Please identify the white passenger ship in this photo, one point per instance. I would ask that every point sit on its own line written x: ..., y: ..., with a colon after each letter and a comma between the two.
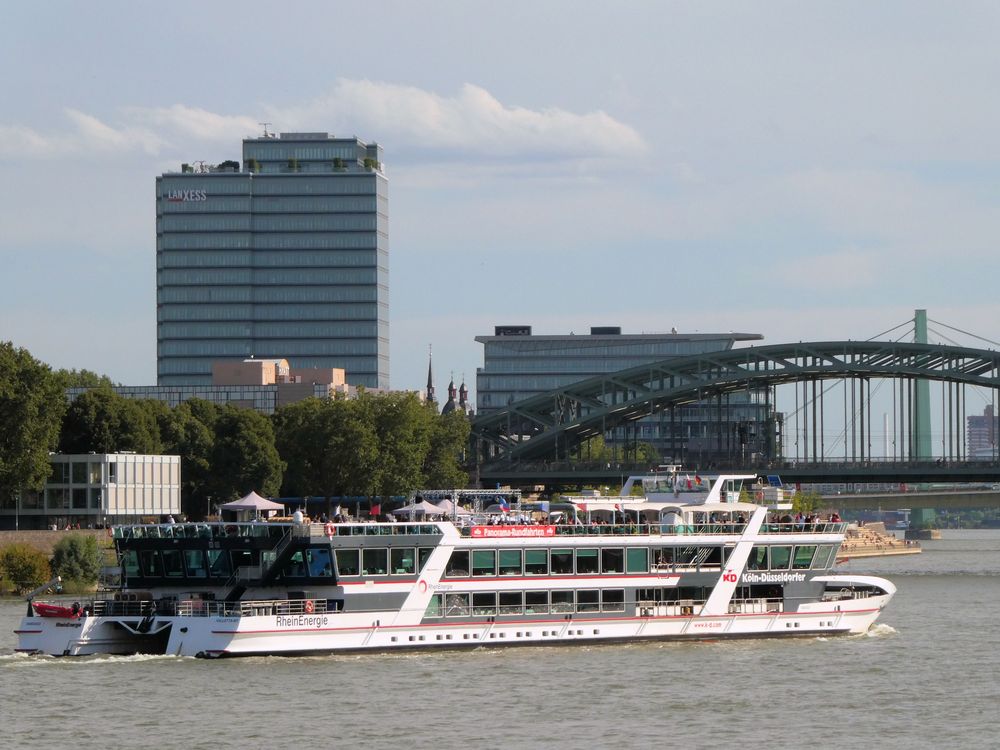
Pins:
x: 680, y: 563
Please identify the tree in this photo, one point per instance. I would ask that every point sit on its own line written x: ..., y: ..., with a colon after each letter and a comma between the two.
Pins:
x: 244, y: 457
x: 402, y: 428
x: 32, y: 404
x: 82, y: 379
x: 329, y: 446
x: 104, y: 422
x: 184, y: 434
x: 77, y: 557
x: 24, y: 567
x: 806, y: 502
x: 448, y: 439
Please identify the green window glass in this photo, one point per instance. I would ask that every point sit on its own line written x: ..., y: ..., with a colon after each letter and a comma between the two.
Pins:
x: 433, y: 606
x: 780, y: 557
x: 194, y: 562
x: 458, y: 563
x: 562, y: 562
x: 348, y: 562
x: 588, y: 601
x: 130, y: 560
x: 295, y: 567
x: 636, y: 560
x: 586, y: 561
x: 510, y: 602
x: 536, y: 602
x: 218, y: 564
x: 173, y: 565
x: 484, y: 562
x: 424, y: 556
x: 375, y: 562
x: 803, y: 556
x: 613, y: 600
x: 757, y: 559
x: 510, y: 562
x: 403, y: 562
x: 613, y: 560
x: 536, y: 562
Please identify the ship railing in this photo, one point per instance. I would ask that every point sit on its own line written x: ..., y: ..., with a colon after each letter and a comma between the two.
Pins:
x: 678, y: 608
x: 254, y: 607
x: 755, y: 606
x: 641, y: 529
x: 263, y: 530
x: 839, y: 595
x: 822, y: 527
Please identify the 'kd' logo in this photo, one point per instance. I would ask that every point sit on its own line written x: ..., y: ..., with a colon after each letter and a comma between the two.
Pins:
x: 729, y: 577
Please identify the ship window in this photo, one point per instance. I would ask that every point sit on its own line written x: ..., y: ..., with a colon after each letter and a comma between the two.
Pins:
x: 636, y: 560
x: 484, y: 603
x: 318, y: 561
x: 151, y: 566
x: 613, y: 600
x: 484, y: 562
x: 780, y: 557
x: 536, y: 602
x: 757, y: 559
x: 510, y: 602
x: 586, y: 561
x: 375, y: 562
x: 130, y: 561
x: 510, y: 562
x: 824, y: 557
x: 348, y: 562
x: 218, y: 564
x: 458, y: 563
x: 587, y: 601
x: 433, y: 606
x: 562, y: 562
x: 194, y: 561
x: 402, y: 561
x: 664, y: 558
x: 173, y: 567
x: 456, y: 605
x: 424, y: 554
x: 562, y: 601
x: 295, y: 567
x: 536, y: 562
x: 613, y: 560
x: 803, y: 556
x: 242, y: 558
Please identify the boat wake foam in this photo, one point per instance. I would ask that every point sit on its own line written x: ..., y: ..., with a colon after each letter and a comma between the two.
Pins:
x: 879, y: 630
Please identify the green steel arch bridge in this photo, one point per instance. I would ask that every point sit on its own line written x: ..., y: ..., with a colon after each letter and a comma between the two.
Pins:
x: 536, y: 438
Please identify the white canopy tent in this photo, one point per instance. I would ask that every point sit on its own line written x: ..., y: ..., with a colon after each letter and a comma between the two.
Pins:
x: 252, y: 505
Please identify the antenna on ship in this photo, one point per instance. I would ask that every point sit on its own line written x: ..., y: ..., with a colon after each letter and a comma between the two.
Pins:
x: 264, y: 125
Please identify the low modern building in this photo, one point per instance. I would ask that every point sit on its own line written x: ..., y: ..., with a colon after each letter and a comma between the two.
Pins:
x: 95, y: 490
x: 259, y: 384
x: 518, y: 364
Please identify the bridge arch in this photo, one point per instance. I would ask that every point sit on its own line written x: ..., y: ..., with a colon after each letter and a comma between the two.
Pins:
x: 550, y: 424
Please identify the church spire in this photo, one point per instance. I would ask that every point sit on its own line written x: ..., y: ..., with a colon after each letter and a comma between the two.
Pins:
x: 430, y: 376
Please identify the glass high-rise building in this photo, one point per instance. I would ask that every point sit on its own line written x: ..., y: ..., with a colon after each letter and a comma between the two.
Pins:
x: 285, y: 256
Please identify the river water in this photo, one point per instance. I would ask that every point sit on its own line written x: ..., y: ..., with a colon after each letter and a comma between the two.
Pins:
x: 927, y: 675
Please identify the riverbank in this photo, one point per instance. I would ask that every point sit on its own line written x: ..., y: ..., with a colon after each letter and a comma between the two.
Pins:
x: 45, y: 540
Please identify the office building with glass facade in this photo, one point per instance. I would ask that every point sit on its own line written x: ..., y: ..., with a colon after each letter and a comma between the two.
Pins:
x: 285, y: 256
x: 518, y: 365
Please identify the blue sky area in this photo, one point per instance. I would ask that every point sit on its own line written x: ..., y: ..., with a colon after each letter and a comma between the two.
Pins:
x: 801, y: 170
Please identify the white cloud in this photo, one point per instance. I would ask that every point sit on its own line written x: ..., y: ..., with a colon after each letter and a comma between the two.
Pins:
x: 473, y: 120
x: 471, y: 123
x: 87, y: 136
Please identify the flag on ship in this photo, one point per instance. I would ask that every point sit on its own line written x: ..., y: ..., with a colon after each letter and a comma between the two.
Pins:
x: 504, y: 505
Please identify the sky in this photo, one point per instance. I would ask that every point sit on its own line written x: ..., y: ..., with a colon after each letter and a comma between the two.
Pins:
x: 806, y: 171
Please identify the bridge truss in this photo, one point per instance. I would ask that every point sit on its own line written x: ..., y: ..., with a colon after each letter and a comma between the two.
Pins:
x: 549, y: 426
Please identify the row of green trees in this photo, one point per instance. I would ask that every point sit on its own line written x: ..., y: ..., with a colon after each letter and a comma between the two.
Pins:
x: 76, y: 558
x: 373, y: 445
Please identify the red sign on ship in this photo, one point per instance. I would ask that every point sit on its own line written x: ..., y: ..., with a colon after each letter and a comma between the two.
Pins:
x: 487, y: 532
